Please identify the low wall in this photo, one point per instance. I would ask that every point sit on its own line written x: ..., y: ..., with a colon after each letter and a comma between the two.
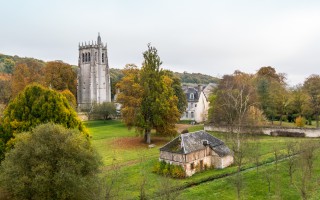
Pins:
x: 309, y: 132
x: 82, y: 116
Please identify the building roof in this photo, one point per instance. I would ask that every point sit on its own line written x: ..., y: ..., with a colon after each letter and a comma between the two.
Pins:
x: 208, y: 89
x: 188, y: 90
x: 195, y: 141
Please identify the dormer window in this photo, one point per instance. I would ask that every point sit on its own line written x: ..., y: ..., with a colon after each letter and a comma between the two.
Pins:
x: 191, y: 96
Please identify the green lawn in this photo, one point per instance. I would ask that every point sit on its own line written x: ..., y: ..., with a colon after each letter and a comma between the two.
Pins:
x: 117, y: 144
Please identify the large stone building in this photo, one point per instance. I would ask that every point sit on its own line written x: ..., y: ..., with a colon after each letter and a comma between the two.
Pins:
x: 93, y: 75
x: 196, y: 151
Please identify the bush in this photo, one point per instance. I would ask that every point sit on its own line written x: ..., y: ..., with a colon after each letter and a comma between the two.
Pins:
x: 300, y: 121
x: 51, y: 162
x: 167, y: 169
x: 177, y: 171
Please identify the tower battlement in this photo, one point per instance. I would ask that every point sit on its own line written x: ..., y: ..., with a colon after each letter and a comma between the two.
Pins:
x: 93, y: 74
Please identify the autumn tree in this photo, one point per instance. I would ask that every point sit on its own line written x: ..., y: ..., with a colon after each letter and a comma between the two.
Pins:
x: 26, y: 72
x: 312, y: 87
x: 269, y: 83
x: 235, y: 95
x: 299, y: 103
x: 60, y: 76
x: 150, y: 99
x: 19, y: 78
x: 131, y: 94
x: 280, y: 99
x: 51, y: 162
x: 5, y: 88
x: 37, y: 105
x: 8, y: 65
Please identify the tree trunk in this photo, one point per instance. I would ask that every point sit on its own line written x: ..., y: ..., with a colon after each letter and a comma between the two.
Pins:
x: 147, y: 136
x: 317, y: 118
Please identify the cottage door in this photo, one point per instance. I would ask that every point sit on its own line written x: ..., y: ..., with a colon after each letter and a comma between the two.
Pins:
x: 201, y: 165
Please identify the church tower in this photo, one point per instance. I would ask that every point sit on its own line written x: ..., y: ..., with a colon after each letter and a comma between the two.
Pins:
x: 93, y: 75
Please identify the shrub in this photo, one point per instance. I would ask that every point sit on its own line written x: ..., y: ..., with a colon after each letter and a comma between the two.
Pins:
x: 177, y: 171
x: 300, y: 121
x: 167, y: 169
x: 156, y: 168
x: 51, y: 162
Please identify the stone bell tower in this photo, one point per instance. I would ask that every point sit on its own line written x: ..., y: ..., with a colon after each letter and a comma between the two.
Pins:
x: 93, y: 75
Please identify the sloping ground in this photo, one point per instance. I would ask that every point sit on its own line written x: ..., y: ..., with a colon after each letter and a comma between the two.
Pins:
x: 119, y: 146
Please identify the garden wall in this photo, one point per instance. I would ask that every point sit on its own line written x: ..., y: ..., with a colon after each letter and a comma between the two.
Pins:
x: 309, y: 132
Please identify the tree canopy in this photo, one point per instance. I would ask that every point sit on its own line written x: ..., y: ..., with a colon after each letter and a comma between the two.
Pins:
x: 60, y: 76
x: 147, y: 98
x: 37, y: 105
x: 51, y: 162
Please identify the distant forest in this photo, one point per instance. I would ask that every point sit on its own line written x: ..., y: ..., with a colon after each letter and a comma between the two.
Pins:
x: 8, y: 64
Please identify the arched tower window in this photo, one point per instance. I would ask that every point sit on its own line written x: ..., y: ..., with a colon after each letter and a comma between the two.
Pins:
x: 86, y: 57
x: 82, y: 57
x: 95, y: 56
x: 103, y: 57
x: 89, y: 57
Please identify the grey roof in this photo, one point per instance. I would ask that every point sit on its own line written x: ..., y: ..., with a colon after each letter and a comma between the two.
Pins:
x: 190, y: 90
x: 190, y: 142
x: 208, y: 89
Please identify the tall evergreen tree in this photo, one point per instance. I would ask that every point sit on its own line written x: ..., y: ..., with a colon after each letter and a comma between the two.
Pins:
x: 153, y: 103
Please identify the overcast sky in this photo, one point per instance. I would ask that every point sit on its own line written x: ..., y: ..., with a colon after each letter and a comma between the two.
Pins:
x: 206, y: 36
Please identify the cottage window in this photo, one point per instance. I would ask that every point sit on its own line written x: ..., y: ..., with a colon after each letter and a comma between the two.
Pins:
x: 195, y: 105
x: 192, y: 166
x: 191, y: 105
x: 191, y: 96
x: 186, y: 114
x: 192, y: 115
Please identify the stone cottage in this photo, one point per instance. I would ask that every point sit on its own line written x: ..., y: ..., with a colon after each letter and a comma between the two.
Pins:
x: 196, y: 151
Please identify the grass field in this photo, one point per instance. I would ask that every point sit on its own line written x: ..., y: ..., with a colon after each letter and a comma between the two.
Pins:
x: 135, y: 161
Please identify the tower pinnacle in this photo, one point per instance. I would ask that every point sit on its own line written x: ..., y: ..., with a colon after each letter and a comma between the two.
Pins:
x: 99, y: 38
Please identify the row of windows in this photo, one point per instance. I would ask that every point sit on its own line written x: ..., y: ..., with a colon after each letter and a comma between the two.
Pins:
x: 86, y: 57
x: 191, y: 105
x: 187, y: 115
x: 192, y: 166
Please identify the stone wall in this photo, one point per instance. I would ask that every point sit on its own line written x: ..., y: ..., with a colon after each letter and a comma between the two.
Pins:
x: 82, y: 116
x: 309, y: 132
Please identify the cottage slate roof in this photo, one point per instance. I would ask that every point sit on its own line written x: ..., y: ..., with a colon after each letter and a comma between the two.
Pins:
x: 190, y: 142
